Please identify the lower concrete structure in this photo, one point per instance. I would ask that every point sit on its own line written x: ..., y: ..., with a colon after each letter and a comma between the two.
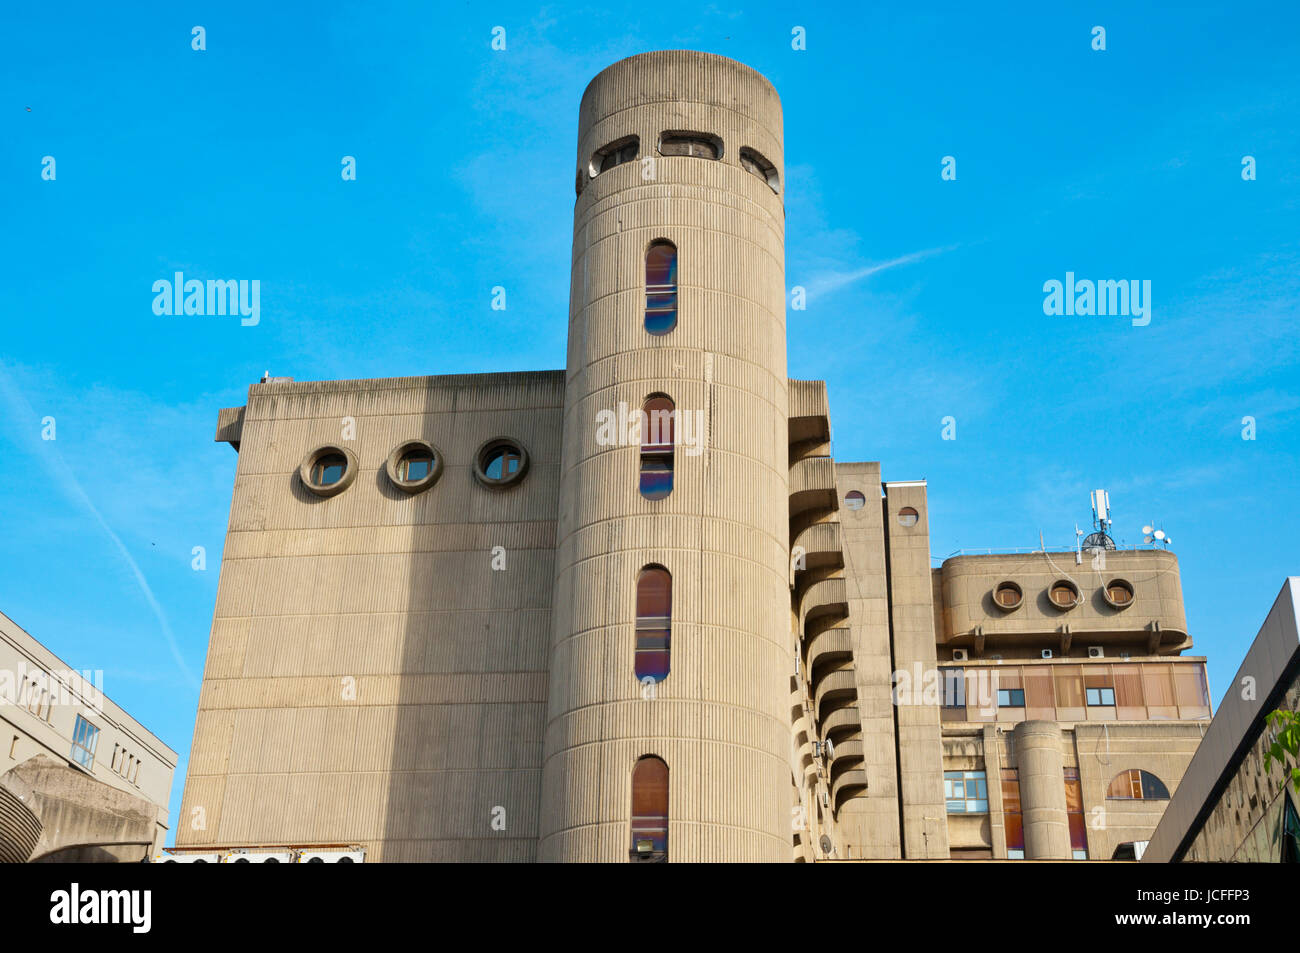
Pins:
x: 80, y: 779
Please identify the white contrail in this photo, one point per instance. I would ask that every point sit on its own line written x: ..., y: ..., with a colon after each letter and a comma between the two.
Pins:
x: 54, y: 462
x: 824, y: 284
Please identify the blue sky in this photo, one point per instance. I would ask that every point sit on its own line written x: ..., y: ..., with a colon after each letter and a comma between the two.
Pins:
x: 225, y: 163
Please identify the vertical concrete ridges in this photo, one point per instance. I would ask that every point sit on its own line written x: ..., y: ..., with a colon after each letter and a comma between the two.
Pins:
x: 1042, y: 790
x: 719, y: 720
x: 911, y: 611
x: 371, y: 678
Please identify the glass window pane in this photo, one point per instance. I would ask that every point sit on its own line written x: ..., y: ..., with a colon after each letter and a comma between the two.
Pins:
x: 1152, y: 786
x: 1069, y: 687
x: 656, y: 477
x: 1040, y: 697
x: 650, y: 807
x: 653, y: 623
x: 1158, y: 686
x: 661, y: 287
x: 657, y: 417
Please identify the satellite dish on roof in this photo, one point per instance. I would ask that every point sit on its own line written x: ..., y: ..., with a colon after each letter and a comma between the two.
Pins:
x: 1147, y: 530
x: 825, y: 843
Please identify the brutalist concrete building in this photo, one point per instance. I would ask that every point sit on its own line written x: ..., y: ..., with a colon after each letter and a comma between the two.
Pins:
x: 633, y: 609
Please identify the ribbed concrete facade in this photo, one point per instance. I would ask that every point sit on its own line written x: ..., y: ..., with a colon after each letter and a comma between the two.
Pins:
x: 449, y: 667
x: 367, y: 661
x: 718, y: 719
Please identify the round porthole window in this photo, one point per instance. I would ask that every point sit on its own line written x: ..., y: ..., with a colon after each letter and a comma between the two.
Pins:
x: 1063, y: 594
x: 855, y: 500
x: 908, y: 516
x: 1007, y: 596
x: 1119, y: 593
x: 328, y: 470
x: 500, y: 462
x: 414, y: 466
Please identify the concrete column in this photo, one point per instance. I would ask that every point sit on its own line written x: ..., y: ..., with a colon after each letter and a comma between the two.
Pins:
x: 720, y: 720
x: 911, y: 613
x: 1042, y: 790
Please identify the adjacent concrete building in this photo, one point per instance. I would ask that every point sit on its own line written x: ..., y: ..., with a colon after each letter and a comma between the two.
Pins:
x: 633, y: 608
x: 80, y: 779
x: 1229, y: 807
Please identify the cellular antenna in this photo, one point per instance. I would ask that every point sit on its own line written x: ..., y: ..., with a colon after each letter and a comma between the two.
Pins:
x: 1152, y: 535
x: 1101, y: 521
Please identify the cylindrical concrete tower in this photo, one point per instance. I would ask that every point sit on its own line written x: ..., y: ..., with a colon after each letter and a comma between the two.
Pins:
x: 1042, y: 790
x: 678, y: 292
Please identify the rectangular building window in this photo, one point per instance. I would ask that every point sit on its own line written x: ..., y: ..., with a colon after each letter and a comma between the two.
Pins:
x: 1158, y: 686
x: 1069, y: 692
x: 85, y: 737
x: 1011, y: 698
x: 1130, y: 705
x: 1101, y: 696
x: 1191, y: 692
x: 1012, y: 821
x: 1074, y: 815
x: 1040, y: 698
x: 954, y: 687
x: 966, y: 792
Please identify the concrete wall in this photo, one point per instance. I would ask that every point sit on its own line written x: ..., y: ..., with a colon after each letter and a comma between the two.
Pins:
x: 371, y: 679
x: 968, y: 583
x: 911, y: 610
x: 870, y: 822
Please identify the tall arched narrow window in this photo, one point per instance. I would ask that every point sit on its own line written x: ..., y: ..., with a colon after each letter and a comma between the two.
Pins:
x: 650, y: 810
x: 661, y: 287
x: 654, y: 617
x: 657, y: 441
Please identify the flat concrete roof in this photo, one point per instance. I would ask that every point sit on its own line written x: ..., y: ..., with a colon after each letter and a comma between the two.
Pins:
x: 1234, y: 729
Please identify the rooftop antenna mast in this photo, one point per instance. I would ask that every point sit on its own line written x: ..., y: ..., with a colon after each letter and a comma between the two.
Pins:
x: 1152, y: 535
x: 1099, y: 538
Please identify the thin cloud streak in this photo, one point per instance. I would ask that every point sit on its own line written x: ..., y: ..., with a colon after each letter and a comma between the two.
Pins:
x: 21, y: 410
x: 829, y: 282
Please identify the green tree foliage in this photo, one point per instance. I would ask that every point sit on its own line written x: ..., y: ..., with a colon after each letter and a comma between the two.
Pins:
x: 1285, y: 749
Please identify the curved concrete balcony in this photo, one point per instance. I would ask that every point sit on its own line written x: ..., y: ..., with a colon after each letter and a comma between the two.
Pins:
x: 824, y: 604
x: 822, y: 549
x: 838, y: 685
x: 812, y: 487
x: 809, y: 416
x: 796, y: 708
x: 826, y: 647
x: 841, y: 721
x: 846, y: 752
x: 849, y: 783
x: 810, y: 774
x: 806, y: 755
